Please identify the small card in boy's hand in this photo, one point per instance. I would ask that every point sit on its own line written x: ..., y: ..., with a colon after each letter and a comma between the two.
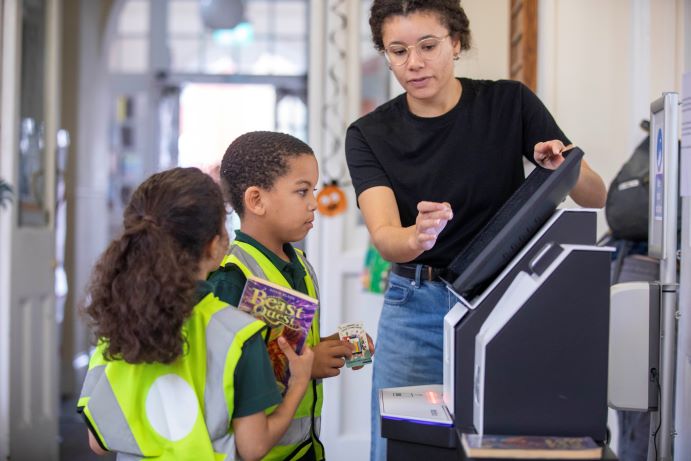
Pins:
x: 355, y: 334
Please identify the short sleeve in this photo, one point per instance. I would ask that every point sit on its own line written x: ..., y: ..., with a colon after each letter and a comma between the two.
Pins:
x: 255, y: 384
x: 228, y: 283
x: 365, y: 170
x: 538, y: 123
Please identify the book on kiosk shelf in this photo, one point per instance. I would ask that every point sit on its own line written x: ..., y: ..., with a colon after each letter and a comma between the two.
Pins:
x: 287, y: 312
x: 530, y: 447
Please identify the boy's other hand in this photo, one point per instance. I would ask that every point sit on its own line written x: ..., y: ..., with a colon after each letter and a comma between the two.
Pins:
x: 329, y: 357
x: 370, y: 343
x: 300, y: 365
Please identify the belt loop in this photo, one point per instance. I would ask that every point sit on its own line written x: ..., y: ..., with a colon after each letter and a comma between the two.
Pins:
x: 418, y: 271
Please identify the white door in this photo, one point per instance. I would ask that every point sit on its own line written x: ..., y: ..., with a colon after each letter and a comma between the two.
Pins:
x: 28, y: 340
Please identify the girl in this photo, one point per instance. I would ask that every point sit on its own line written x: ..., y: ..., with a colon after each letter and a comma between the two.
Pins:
x: 177, y: 373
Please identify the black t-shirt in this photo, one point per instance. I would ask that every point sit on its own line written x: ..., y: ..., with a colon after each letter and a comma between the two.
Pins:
x: 470, y: 157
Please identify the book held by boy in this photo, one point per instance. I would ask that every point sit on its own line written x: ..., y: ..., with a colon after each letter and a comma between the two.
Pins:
x: 287, y: 312
x: 530, y: 447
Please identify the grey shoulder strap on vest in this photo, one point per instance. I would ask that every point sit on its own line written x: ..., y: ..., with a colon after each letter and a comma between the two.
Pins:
x: 247, y: 260
x: 310, y: 270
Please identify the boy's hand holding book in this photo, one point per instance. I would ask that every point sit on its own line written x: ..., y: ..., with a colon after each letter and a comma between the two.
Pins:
x: 257, y: 433
x: 287, y: 312
x: 300, y: 365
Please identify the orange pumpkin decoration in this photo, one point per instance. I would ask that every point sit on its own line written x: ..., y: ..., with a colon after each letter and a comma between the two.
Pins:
x: 331, y: 200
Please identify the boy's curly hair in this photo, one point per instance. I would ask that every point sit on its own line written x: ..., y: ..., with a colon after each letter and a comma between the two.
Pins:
x: 449, y: 12
x: 257, y: 158
x: 142, y: 289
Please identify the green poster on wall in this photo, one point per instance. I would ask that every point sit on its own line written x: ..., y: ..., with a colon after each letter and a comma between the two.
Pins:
x: 376, y: 272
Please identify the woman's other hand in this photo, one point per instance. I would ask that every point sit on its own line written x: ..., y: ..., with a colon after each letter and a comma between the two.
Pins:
x: 432, y: 218
x: 549, y: 154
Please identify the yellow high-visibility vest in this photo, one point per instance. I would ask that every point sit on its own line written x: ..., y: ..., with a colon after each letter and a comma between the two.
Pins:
x: 177, y: 411
x: 303, y: 432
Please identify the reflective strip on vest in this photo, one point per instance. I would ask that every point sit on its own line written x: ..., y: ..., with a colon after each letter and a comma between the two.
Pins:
x: 225, y: 332
x: 241, y: 254
x: 310, y: 271
x: 218, y: 346
x: 92, y: 378
x: 225, y: 445
x: 299, y: 430
x: 246, y: 261
x: 104, y: 410
x: 127, y: 457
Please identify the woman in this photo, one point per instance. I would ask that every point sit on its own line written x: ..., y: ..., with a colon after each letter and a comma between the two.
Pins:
x: 430, y: 168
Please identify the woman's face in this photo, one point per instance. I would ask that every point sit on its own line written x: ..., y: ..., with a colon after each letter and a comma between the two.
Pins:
x: 423, y: 79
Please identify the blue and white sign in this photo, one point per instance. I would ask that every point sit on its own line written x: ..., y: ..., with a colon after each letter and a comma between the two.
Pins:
x: 658, y: 208
x: 664, y: 190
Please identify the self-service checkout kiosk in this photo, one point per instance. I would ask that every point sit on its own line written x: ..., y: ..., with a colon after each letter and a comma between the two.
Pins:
x: 643, y: 328
x: 525, y: 347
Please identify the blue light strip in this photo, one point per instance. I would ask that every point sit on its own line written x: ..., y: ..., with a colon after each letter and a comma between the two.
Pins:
x: 417, y: 421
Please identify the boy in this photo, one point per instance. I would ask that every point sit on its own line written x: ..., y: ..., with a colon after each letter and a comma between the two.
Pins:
x: 269, y: 179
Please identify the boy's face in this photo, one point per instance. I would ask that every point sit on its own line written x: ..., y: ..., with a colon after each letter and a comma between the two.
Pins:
x: 291, y: 202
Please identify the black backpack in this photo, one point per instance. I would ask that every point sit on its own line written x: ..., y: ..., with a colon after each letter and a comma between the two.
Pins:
x: 626, y: 209
x: 627, y: 198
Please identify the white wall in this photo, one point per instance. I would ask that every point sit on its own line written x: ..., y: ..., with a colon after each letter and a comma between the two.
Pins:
x: 600, y: 64
x: 583, y: 78
x: 489, y: 27
x: 89, y: 193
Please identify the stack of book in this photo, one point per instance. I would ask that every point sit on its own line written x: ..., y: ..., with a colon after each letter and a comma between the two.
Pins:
x: 530, y: 447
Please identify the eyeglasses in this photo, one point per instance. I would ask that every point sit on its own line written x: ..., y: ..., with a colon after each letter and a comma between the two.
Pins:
x: 427, y: 48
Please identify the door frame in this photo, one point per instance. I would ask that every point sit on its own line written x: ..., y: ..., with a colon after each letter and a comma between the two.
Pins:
x: 9, y: 81
x: 13, y: 238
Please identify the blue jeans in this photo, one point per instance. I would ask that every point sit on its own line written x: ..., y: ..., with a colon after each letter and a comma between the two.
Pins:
x: 634, y: 434
x: 409, y: 342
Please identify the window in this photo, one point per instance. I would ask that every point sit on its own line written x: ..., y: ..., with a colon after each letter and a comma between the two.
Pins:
x: 375, y: 74
x: 129, y: 51
x: 271, y: 41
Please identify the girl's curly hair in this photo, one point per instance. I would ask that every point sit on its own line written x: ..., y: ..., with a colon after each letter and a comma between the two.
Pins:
x: 142, y: 288
x: 450, y: 13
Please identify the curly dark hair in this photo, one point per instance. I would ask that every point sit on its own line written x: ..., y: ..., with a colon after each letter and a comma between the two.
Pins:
x: 450, y: 13
x: 142, y: 289
x: 257, y: 158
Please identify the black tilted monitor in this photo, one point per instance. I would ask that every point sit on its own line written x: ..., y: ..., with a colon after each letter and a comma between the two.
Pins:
x: 513, y: 225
